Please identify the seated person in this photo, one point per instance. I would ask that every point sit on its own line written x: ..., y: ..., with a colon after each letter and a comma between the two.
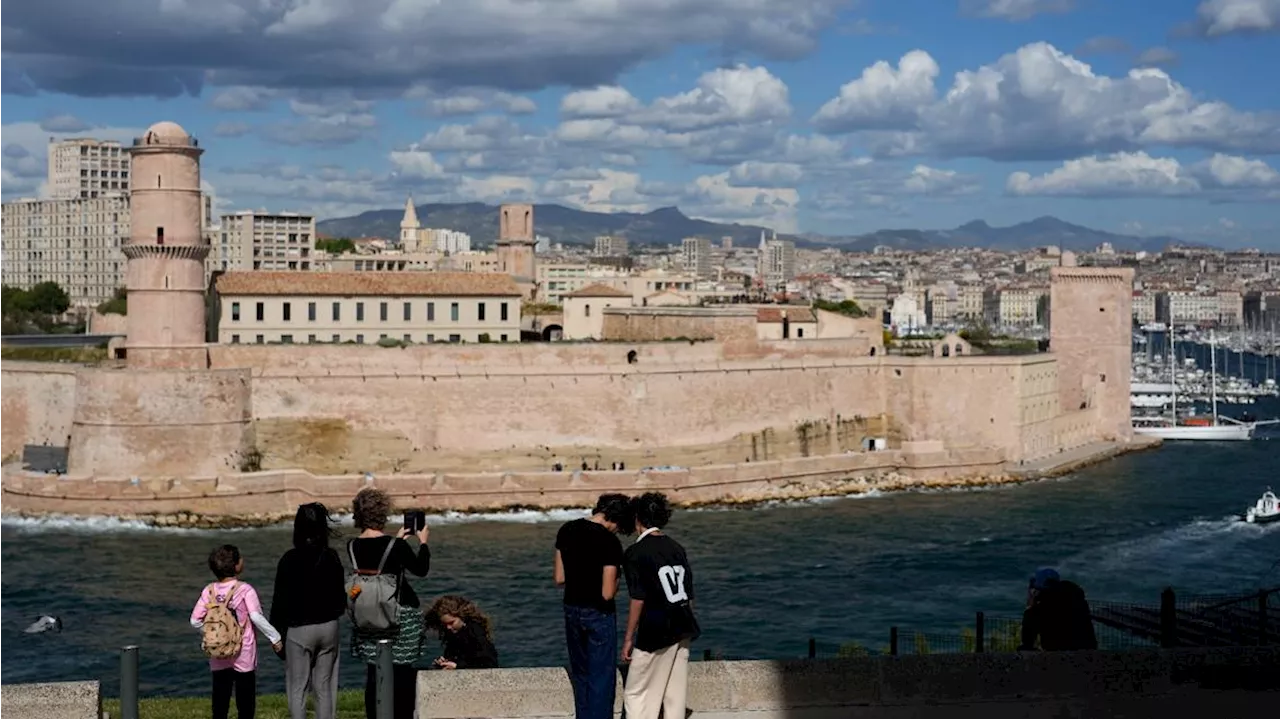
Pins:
x: 465, y: 633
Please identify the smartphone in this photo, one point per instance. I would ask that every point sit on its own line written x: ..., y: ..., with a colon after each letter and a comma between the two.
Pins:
x: 415, y: 520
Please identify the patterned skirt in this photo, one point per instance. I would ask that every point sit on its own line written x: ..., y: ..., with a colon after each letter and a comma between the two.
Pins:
x: 406, y: 640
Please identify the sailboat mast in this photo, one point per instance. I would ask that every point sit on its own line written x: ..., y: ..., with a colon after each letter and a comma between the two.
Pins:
x: 1213, y: 376
x: 1173, y: 372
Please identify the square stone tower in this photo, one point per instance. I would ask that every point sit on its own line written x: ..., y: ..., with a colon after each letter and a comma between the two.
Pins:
x: 1091, y: 334
x: 516, y: 242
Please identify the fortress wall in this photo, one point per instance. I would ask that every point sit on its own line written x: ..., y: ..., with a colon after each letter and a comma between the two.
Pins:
x: 160, y: 422
x: 642, y: 324
x: 274, y: 494
x: 39, y: 400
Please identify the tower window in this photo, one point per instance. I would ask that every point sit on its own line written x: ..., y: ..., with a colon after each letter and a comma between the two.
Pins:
x: 159, y: 235
x: 157, y: 180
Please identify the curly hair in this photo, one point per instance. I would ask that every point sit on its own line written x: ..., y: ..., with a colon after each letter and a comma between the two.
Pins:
x: 460, y: 607
x: 370, y: 509
x: 652, y: 510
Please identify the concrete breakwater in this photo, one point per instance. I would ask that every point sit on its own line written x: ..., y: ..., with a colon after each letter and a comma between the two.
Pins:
x: 269, y: 497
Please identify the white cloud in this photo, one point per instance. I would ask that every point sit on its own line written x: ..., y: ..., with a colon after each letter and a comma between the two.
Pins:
x: 712, y: 197
x: 25, y: 151
x: 474, y: 100
x: 1040, y: 103
x: 602, y: 101
x: 1157, y: 57
x: 765, y: 174
x: 925, y: 180
x: 1015, y: 10
x: 1225, y: 17
x: 882, y: 97
x: 1223, y: 177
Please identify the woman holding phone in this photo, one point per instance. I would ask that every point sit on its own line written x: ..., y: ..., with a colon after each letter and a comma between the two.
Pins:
x: 371, y: 509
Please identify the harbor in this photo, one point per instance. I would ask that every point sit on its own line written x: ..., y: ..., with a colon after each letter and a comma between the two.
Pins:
x: 1187, y: 387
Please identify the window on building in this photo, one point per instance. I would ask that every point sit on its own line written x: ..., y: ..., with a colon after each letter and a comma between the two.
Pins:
x: 430, y: 338
x: 408, y: 312
x: 408, y: 338
x: 311, y: 339
x: 799, y: 332
x: 336, y: 339
x: 359, y: 312
x: 235, y: 339
x: 502, y: 338
x: 382, y: 337
x: 359, y: 339
x: 337, y: 311
x: 261, y: 311
x: 235, y: 311
x: 286, y: 339
x: 159, y: 235
x: 455, y: 338
x: 453, y: 311
x: 502, y: 311
x: 286, y: 311
x: 382, y: 311
x: 480, y: 311
x: 260, y: 339
x: 311, y: 312
x: 587, y: 310
x: 431, y: 312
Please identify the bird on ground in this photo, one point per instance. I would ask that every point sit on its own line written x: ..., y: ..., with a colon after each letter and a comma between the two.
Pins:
x: 45, y: 623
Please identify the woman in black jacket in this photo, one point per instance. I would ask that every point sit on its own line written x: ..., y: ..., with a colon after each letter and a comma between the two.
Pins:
x: 309, y: 598
x: 465, y: 633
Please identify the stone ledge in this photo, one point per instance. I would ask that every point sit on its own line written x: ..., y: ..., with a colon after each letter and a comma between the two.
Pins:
x: 65, y: 700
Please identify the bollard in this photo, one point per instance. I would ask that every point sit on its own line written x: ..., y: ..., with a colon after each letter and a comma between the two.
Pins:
x: 129, y: 682
x: 1168, y: 619
x: 1263, y: 640
x: 385, y: 681
x: 979, y: 633
x: 706, y: 655
x: 813, y: 648
x: 893, y: 641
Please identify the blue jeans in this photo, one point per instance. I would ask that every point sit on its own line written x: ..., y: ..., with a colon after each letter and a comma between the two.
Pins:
x: 592, y: 637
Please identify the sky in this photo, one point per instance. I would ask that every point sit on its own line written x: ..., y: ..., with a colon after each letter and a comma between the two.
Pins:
x: 838, y: 117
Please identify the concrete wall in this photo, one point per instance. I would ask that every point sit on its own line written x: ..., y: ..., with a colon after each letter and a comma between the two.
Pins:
x: 64, y: 700
x: 1219, y: 682
x: 276, y: 494
x: 161, y: 422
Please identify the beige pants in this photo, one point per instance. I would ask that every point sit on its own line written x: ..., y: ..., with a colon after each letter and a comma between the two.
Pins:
x: 658, y: 681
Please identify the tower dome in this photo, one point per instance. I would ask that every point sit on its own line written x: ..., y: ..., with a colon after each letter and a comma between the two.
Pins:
x: 165, y: 133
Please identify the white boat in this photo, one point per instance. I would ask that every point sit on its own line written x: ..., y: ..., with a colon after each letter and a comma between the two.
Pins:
x: 1267, y: 509
x: 1216, y: 430
x: 1154, y: 327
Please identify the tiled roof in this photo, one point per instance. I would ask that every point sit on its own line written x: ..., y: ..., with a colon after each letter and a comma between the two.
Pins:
x: 382, y: 284
x: 794, y: 314
x: 598, y: 290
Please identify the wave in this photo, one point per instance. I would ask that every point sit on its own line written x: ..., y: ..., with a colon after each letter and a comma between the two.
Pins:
x: 1197, y: 541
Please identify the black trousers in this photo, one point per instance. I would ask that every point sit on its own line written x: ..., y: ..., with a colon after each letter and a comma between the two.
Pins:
x: 245, y: 686
x: 404, y: 691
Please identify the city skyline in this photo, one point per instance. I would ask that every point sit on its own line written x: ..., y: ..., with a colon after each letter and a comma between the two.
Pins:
x: 803, y: 116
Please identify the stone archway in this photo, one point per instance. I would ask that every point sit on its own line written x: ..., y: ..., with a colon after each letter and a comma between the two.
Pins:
x: 552, y: 333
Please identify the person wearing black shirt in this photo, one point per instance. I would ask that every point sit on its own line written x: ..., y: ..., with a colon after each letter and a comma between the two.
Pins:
x: 660, y: 623
x: 307, y: 602
x: 587, y: 564
x: 370, y: 511
x: 1057, y: 615
x: 465, y: 632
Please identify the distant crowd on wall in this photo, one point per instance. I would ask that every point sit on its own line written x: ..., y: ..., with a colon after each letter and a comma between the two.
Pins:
x: 313, y: 591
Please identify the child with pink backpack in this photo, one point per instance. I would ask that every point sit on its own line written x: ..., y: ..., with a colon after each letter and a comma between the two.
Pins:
x: 226, y: 614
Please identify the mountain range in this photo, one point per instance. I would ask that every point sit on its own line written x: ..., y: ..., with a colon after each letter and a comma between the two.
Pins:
x: 668, y: 225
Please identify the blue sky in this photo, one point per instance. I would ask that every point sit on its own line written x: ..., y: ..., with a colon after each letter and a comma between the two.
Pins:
x: 827, y: 116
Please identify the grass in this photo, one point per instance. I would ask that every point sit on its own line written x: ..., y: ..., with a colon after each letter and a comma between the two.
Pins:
x: 270, y: 706
x: 54, y: 354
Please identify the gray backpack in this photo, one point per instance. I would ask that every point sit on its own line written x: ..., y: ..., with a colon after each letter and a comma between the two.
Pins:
x: 373, y: 600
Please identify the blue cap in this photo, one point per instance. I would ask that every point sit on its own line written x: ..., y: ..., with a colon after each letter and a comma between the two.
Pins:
x: 1043, y: 577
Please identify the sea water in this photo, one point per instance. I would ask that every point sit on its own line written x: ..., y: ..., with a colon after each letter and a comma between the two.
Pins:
x: 767, y: 577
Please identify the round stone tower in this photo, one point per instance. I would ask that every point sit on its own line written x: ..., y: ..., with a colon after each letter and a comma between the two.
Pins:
x: 166, y: 252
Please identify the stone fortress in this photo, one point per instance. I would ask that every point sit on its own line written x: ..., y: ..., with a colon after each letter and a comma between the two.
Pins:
x: 176, y: 425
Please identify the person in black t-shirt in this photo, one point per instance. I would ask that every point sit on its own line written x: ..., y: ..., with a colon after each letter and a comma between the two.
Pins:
x: 588, y: 559
x: 661, y: 623
x: 465, y: 633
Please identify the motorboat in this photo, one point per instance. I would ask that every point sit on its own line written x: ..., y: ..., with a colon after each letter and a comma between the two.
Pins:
x: 1267, y: 509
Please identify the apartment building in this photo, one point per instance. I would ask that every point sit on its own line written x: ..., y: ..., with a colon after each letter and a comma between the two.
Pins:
x: 265, y: 241
x: 75, y: 243
x: 610, y: 246
x: 697, y: 256
x: 1193, y: 307
x: 84, y: 168
x: 555, y: 280
x: 1144, y: 306
x: 777, y: 263
x: 365, y: 307
x: 1014, y: 306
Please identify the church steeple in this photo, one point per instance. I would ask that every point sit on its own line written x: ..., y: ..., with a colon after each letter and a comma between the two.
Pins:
x: 409, y: 227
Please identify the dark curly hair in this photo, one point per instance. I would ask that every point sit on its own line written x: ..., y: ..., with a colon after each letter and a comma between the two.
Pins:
x: 460, y: 607
x: 617, y: 509
x: 652, y: 510
x: 370, y: 509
